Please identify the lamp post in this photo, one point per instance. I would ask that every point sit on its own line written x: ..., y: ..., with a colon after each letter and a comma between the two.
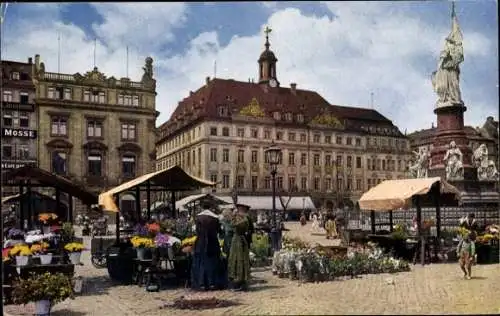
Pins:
x: 273, y: 153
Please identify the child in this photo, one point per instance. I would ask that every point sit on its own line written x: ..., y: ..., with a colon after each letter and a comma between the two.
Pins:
x: 466, y: 252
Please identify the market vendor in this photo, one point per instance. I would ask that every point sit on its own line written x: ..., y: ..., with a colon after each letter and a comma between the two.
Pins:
x: 239, y: 255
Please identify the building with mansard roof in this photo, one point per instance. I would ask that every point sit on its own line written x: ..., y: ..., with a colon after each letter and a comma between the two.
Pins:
x: 330, y: 152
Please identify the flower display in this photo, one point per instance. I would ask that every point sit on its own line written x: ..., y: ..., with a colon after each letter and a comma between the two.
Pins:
x: 20, y: 250
x: 39, y: 248
x: 5, y: 254
x: 46, y: 218
x: 161, y: 240
x: 188, y: 241
x: 15, y: 233
x: 141, y: 230
x: 153, y: 228
x: 142, y: 242
x: 484, y: 239
x: 74, y: 247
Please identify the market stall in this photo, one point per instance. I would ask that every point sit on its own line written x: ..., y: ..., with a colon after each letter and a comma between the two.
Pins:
x: 393, y: 195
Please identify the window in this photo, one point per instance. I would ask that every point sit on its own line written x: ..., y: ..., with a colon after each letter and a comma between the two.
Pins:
x: 338, y: 140
x: 303, y: 159
x: 254, y: 156
x: 359, y: 185
x: 383, y: 164
x: 349, y: 184
x: 358, y: 162
x: 59, y: 126
x: 213, y: 178
x: 291, y: 183
x: 241, y: 156
x: 316, y: 183
x: 225, y: 131
x: 288, y: 116
x: 254, y: 183
x: 225, y: 155
x: 303, y: 183
x: 300, y: 118
x: 267, y: 134
x: 328, y: 139
x: 23, y: 152
x: 358, y: 142
x: 127, y: 100
x: 7, y: 96
x: 277, y: 115
x: 279, y: 183
x: 280, y: 158
x: 240, y: 182
x: 303, y: 138
x: 339, y: 161
x: 222, y: 110
x: 128, y: 131
x: 328, y: 160
x: 291, y: 137
x: 120, y: 99
x: 14, y: 75
x: 369, y: 183
x: 213, y: 131
x: 291, y: 159
x: 7, y: 151
x: 94, y: 165
x: 24, y: 119
x: 267, y: 182
x: 241, y: 132
x: 213, y: 154
x: 86, y: 96
x: 328, y: 184
x: 339, y: 184
x: 279, y: 135
x: 369, y: 164
x: 128, y: 166
x: 94, y: 129
x: 67, y: 94
x: 24, y: 98
x: 59, y: 162
x: 255, y: 133
x: 316, y: 159
x: 316, y: 138
x: 349, y: 161
x: 102, y: 97
x: 7, y: 118
x: 225, y: 181
x: 135, y: 100
x: 349, y: 141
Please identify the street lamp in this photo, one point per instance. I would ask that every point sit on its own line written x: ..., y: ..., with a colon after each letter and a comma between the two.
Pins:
x: 273, y: 153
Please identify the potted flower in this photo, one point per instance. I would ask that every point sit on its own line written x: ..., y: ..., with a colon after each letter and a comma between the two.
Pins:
x: 45, y: 290
x: 141, y: 244
x: 187, y: 244
x: 162, y: 242
x: 21, y: 252
x: 74, y: 250
x: 46, y: 219
x: 153, y: 229
x: 15, y: 234
x: 40, y: 249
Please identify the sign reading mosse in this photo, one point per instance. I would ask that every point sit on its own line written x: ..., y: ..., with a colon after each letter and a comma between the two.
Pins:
x: 20, y: 133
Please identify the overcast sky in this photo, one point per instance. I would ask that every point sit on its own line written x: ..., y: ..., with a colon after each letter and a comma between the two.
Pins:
x: 343, y: 50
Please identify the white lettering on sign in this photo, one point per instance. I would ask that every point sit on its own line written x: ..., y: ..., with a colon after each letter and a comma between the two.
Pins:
x: 21, y: 133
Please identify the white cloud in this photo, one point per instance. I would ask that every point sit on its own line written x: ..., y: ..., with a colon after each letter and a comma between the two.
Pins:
x: 367, y: 47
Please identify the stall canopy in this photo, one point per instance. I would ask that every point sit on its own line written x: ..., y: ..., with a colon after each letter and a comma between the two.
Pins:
x: 266, y: 202
x: 397, y: 194
x: 173, y: 179
x: 184, y: 203
x: 31, y: 174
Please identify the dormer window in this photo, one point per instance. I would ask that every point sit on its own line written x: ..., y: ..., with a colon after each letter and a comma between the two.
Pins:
x: 300, y: 118
x: 222, y: 110
x: 288, y: 116
x: 277, y: 115
x: 15, y: 75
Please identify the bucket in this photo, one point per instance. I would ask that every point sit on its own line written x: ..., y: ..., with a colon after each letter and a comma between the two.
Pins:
x: 46, y: 258
x: 74, y: 257
x: 42, y: 308
x: 21, y: 261
x: 141, y: 253
x: 45, y: 229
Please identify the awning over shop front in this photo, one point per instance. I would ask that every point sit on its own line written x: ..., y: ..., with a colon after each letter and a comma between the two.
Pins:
x: 396, y: 194
x: 172, y: 179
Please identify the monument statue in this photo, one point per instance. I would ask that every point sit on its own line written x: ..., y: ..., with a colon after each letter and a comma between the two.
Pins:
x: 148, y: 70
x: 421, y: 166
x: 454, y: 167
x: 446, y: 79
x: 486, y: 169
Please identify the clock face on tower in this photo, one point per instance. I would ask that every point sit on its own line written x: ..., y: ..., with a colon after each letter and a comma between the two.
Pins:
x: 273, y: 83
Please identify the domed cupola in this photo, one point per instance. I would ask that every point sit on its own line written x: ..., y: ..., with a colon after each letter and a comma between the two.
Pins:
x: 267, y: 64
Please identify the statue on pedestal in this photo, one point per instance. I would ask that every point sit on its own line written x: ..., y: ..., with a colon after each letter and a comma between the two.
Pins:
x: 421, y: 166
x: 486, y: 169
x: 148, y: 70
x: 446, y: 79
x: 453, y: 160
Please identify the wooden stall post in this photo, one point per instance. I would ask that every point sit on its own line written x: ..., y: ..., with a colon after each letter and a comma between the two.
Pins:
x: 21, y: 208
x: 138, y: 203
x: 148, y: 198
x: 172, y: 201
x: 437, y: 196
x: 419, y: 230
x: 58, y: 200
x: 391, y: 229
x: 117, y: 218
x: 372, y: 220
x: 70, y: 208
x: 30, y: 205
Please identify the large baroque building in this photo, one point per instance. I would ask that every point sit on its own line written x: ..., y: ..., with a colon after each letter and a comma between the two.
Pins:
x: 95, y: 130
x: 333, y: 153
x: 19, y: 117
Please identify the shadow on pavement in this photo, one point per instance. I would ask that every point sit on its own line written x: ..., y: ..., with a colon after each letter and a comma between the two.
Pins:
x: 478, y: 278
x: 96, y: 285
x: 66, y: 312
x: 263, y: 287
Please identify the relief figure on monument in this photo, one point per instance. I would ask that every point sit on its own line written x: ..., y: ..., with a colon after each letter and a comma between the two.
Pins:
x: 446, y: 79
x: 421, y: 166
x: 454, y: 163
x: 486, y: 169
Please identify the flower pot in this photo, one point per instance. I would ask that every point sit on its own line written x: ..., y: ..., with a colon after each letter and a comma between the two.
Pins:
x: 42, y: 308
x: 46, y: 229
x: 141, y: 253
x: 46, y: 258
x: 74, y: 257
x: 21, y: 261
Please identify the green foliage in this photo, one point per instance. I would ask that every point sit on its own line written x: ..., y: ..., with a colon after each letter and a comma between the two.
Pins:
x: 67, y: 232
x: 260, y: 245
x: 53, y: 287
x: 400, y: 232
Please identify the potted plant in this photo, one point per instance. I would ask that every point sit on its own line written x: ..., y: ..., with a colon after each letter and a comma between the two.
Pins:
x: 21, y: 252
x: 162, y: 243
x: 141, y: 244
x: 45, y: 290
x: 46, y: 219
x: 40, y: 249
x: 187, y: 244
x: 153, y: 229
x: 74, y: 250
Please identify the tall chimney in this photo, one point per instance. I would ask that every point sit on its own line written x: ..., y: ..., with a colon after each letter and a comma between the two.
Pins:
x: 207, y: 80
x: 294, y: 88
x: 30, y: 60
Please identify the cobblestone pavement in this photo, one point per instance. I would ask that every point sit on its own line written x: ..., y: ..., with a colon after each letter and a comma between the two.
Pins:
x: 433, y: 289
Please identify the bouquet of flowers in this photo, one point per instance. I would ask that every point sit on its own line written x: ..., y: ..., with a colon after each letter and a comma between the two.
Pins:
x: 153, y: 228
x: 188, y: 241
x: 161, y: 240
x: 74, y: 247
x: 20, y: 250
x: 39, y: 248
x: 486, y: 238
x: 15, y: 234
x: 142, y: 242
x: 140, y: 230
x: 47, y: 218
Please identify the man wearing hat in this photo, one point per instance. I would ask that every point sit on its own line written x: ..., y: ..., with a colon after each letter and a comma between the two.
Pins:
x: 239, y: 256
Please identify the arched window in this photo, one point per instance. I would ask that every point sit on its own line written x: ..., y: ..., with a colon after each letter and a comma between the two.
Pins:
x: 59, y: 162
